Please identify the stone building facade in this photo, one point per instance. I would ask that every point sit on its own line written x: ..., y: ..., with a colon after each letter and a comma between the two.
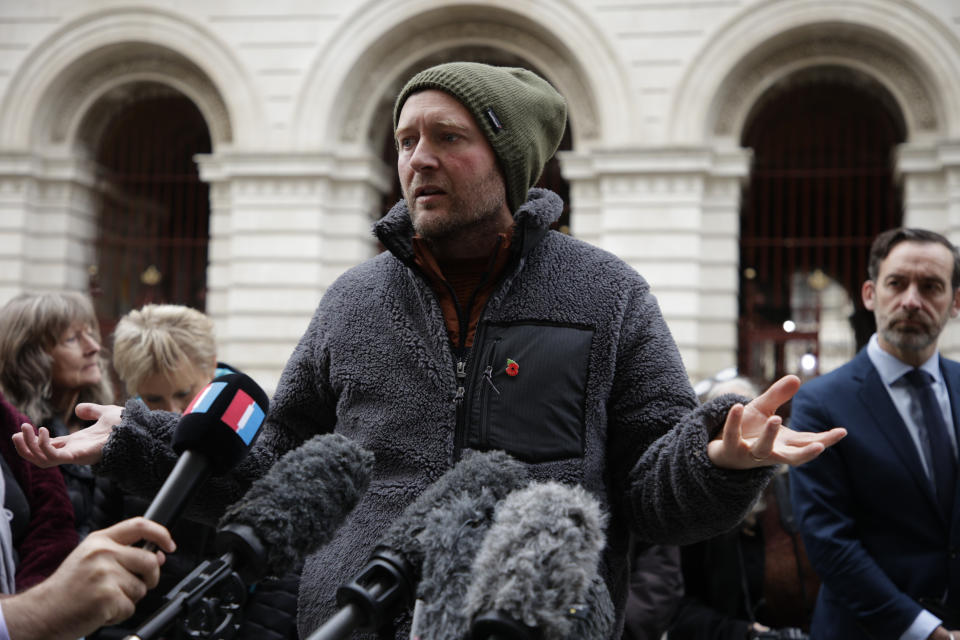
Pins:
x: 296, y: 97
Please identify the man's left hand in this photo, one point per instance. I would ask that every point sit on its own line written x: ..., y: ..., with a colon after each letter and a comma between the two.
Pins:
x: 754, y: 436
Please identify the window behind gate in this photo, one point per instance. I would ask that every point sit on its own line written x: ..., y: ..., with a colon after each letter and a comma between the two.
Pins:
x: 820, y: 189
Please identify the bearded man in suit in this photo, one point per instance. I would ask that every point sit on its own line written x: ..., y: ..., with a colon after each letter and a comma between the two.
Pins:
x: 879, y: 511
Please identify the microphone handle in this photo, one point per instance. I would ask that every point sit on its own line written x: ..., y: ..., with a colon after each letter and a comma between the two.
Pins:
x: 191, y: 470
x: 350, y: 618
x: 188, y: 474
x: 162, y: 619
x: 341, y: 625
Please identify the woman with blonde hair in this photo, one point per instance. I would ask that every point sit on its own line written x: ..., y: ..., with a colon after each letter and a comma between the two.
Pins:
x: 50, y: 360
x: 165, y: 354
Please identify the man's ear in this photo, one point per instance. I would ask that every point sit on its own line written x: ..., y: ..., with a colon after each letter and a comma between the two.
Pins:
x: 955, y: 307
x: 868, y: 291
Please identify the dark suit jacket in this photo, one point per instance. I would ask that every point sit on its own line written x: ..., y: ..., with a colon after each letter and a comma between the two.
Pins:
x: 867, y: 511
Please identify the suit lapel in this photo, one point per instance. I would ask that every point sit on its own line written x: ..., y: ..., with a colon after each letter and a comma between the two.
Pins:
x: 951, y: 375
x: 887, y: 421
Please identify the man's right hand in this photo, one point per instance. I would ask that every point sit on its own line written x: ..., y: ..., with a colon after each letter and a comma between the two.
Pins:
x: 942, y: 633
x: 82, y: 447
x: 99, y: 583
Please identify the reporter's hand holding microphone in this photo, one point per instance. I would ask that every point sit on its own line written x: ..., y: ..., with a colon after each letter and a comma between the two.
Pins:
x: 99, y: 583
x: 109, y: 572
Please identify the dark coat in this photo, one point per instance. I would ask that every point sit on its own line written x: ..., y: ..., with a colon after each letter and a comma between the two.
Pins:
x: 601, y: 399
x: 51, y: 535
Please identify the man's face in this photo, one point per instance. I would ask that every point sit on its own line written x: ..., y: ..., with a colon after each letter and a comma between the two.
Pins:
x: 447, y: 169
x: 912, y: 299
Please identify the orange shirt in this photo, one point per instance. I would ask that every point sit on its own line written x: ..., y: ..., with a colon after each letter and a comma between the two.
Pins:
x: 465, y: 283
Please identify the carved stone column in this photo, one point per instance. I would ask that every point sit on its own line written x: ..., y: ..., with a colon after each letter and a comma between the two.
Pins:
x: 47, y: 223
x: 282, y: 228
x: 673, y: 214
x: 930, y: 172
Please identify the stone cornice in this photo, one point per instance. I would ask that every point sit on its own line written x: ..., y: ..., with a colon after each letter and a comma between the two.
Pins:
x: 273, y: 166
x: 913, y: 158
x: 731, y: 162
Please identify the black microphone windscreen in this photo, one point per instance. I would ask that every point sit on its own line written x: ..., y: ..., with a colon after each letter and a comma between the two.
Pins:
x: 222, y: 421
x: 539, y: 560
x: 298, y: 505
x: 479, y: 479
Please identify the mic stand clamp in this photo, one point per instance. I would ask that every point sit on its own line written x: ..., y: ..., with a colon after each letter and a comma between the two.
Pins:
x: 209, y: 600
x: 371, y: 600
x: 207, y: 603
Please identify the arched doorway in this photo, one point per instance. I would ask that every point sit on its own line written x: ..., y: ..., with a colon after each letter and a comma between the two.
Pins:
x: 153, y: 223
x: 821, y: 187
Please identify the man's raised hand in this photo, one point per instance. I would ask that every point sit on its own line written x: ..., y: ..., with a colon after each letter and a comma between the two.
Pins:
x: 754, y: 436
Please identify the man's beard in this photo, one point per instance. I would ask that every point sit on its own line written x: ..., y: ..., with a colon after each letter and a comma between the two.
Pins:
x: 479, y: 205
x: 914, y: 338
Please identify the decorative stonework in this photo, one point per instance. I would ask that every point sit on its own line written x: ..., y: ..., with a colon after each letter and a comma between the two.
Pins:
x: 664, y: 184
x: 12, y: 186
x: 307, y: 187
x: 86, y: 78
x: 747, y: 81
x: 723, y: 189
x: 404, y: 45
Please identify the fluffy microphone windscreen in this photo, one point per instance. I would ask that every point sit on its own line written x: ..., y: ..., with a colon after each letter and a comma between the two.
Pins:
x: 540, y: 558
x: 450, y: 542
x: 298, y: 505
x: 477, y: 477
x: 222, y: 421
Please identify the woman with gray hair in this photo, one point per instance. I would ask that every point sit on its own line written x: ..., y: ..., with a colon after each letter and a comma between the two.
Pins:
x: 50, y: 361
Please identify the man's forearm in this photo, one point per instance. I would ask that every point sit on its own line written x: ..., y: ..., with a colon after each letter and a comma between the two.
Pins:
x: 27, y: 616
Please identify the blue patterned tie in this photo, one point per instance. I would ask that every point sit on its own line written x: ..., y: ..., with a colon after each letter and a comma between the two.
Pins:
x: 942, y: 460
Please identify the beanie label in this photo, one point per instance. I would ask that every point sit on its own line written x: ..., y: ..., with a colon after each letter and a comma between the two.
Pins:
x: 494, y: 120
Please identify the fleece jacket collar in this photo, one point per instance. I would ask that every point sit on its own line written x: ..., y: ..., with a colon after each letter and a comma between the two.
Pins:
x: 531, y: 222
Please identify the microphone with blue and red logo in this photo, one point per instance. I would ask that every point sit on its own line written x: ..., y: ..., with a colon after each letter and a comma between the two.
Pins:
x: 213, y: 435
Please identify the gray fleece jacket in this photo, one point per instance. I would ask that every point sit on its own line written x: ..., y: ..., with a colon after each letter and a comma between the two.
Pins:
x: 600, y: 398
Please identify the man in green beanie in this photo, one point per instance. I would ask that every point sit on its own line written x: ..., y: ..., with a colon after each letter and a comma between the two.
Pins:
x: 480, y: 328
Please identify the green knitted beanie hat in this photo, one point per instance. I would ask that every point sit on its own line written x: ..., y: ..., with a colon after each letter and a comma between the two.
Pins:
x: 521, y: 115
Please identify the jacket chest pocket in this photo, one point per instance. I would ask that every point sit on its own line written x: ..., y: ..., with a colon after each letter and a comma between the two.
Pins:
x: 528, y: 391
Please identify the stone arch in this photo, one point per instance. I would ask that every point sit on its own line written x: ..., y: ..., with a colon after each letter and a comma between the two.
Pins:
x: 88, y: 93
x: 82, y: 70
x: 346, y: 101
x: 904, y: 49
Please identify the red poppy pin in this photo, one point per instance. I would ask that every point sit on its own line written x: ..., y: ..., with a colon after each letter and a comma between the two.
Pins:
x: 512, y: 368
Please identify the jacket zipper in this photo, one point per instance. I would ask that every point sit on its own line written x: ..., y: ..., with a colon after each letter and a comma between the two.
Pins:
x: 460, y: 439
x: 484, y: 402
x: 485, y: 359
x: 461, y: 354
x: 458, y: 403
x: 459, y: 399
